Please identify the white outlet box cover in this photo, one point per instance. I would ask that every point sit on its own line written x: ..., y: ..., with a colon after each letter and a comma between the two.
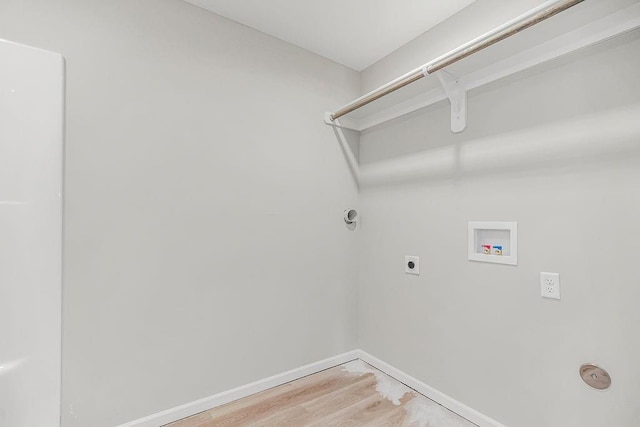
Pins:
x: 550, y: 285
x: 416, y: 261
x: 494, y: 234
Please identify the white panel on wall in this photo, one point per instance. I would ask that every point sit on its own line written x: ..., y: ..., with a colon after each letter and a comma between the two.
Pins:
x: 31, y: 141
x: 494, y: 242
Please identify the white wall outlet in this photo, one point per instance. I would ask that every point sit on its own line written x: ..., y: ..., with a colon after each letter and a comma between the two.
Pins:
x: 550, y: 285
x: 412, y: 264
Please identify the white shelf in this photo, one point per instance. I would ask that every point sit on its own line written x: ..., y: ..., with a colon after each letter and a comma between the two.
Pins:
x: 584, y: 25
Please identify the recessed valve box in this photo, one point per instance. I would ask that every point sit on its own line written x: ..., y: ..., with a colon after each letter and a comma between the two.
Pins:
x: 495, y: 242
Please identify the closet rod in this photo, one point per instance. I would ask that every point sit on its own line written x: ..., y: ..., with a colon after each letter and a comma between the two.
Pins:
x: 508, y: 29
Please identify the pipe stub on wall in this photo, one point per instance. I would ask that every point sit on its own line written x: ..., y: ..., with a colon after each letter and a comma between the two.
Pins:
x: 350, y: 216
x: 595, y: 376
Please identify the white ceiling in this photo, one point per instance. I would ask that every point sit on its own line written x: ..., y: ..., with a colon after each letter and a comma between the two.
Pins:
x: 355, y: 33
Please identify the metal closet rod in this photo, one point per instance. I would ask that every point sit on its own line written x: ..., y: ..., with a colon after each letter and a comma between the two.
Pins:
x: 529, y: 19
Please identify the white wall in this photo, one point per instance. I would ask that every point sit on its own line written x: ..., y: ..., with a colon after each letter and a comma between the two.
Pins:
x: 205, y: 246
x: 556, y: 149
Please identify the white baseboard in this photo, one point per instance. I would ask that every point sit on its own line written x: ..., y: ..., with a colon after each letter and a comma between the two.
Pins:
x: 437, y: 396
x: 188, y: 409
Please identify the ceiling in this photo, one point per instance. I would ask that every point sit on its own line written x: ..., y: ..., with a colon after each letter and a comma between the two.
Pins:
x: 355, y: 33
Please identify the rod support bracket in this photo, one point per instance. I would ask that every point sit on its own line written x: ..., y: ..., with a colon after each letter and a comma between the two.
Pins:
x: 457, y: 94
x: 343, y: 122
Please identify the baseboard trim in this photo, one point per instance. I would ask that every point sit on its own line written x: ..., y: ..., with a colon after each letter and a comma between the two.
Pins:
x: 188, y: 409
x: 437, y: 396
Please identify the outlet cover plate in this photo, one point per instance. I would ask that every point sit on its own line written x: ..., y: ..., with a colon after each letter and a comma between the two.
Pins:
x: 550, y: 285
x: 416, y: 265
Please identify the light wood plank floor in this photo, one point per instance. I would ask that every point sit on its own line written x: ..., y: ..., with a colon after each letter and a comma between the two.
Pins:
x: 353, y: 394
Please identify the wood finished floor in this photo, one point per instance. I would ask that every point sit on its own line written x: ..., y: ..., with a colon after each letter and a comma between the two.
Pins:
x: 353, y: 394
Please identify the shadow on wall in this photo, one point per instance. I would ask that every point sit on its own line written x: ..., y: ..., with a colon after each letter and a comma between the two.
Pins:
x: 578, y: 111
x: 593, y: 138
x: 349, y: 144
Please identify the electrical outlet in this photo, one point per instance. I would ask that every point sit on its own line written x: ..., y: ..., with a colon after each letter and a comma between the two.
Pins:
x: 412, y: 265
x: 550, y: 285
